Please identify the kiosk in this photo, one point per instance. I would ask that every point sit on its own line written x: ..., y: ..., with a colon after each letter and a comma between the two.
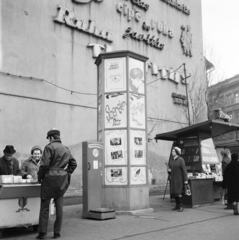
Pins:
x: 201, y: 159
x: 19, y: 205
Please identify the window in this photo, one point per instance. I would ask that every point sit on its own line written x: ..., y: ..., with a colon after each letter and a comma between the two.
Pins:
x: 237, y: 97
x: 237, y: 116
x: 229, y: 100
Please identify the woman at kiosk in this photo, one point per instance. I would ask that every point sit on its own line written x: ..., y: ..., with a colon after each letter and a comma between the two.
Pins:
x: 178, y: 177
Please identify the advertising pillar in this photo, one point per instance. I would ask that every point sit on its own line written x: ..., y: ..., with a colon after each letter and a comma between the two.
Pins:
x: 122, y: 127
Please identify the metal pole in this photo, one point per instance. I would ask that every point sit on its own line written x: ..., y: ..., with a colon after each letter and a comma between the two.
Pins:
x: 185, y: 78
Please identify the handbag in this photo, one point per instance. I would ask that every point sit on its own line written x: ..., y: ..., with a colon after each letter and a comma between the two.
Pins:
x: 187, y: 190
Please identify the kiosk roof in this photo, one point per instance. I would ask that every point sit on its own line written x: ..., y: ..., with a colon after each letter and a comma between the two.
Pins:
x: 213, y: 127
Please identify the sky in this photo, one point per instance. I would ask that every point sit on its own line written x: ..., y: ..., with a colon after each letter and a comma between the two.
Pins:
x: 221, y: 36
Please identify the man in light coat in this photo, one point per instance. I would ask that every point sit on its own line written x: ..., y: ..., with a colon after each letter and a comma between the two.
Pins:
x: 57, y: 165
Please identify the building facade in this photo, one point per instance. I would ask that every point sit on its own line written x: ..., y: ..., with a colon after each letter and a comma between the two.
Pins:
x: 225, y: 95
x: 49, y: 79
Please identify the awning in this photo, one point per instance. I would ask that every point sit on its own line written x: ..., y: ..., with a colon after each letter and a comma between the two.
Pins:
x: 212, y: 127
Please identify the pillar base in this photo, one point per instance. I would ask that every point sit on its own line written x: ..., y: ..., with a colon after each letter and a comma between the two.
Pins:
x: 135, y: 212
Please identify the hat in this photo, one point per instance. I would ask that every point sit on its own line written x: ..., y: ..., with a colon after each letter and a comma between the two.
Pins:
x: 36, y: 148
x: 178, y: 150
x: 53, y: 131
x: 9, y: 149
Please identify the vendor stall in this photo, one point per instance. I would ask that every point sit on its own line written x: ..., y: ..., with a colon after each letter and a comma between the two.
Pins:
x: 200, y: 156
x: 19, y: 205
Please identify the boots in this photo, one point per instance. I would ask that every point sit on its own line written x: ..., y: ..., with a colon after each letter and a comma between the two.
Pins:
x: 180, y: 204
x: 176, y: 207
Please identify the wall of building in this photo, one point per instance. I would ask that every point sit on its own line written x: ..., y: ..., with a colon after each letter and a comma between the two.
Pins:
x: 49, y: 79
x: 228, y: 101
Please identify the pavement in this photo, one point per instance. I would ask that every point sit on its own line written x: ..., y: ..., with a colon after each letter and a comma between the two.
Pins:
x: 210, y: 222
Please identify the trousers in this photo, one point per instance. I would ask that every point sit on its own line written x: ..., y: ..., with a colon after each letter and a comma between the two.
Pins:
x: 44, y: 215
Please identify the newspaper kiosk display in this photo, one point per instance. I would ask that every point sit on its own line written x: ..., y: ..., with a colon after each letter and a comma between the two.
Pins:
x: 200, y: 156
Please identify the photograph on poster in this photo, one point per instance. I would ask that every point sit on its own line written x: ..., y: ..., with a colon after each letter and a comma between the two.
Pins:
x: 115, y: 110
x: 115, y: 141
x: 138, y: 175
x: 115, y: 147
x: 115, y: 74
x: 116, y: 176
x: 136, y: 76
x: 138, y: 153
x: 138, y: 140
x: 137, y: 111
x: 137, y: 147
x: 116, y: 155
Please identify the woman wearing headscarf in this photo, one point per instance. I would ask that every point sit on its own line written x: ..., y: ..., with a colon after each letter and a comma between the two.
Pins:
x: 178, y: 177
x: 231, y: 179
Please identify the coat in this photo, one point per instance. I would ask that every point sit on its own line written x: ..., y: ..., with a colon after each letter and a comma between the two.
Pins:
x: 9, y: 167
x: 231, y: 180
x: 30, y: 167
x: 178, y: 176
x: 57, y: 165
x: 225, y: 161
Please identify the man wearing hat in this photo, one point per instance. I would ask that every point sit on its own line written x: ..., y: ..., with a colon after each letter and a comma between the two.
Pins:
x: 30, y: 167
x: 57, y: 165
x: 8, y: 164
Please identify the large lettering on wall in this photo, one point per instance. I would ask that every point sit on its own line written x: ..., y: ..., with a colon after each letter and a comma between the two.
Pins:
x: 181, y: 7
x: 67, y: 17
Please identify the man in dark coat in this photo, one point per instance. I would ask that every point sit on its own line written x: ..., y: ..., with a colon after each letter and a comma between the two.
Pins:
x: 231, y: 179
x: 57, y: 165
x: 8, y: 164
x: 178, y: 177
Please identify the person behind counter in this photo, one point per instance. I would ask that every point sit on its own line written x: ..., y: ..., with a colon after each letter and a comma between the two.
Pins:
x: 30, y: 167
x: 178, y: 178
x: 57, y: 165
x: 8, y: 164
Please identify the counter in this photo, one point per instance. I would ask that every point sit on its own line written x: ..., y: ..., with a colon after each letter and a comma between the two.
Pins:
x: 202, y: 192
x: 19, y: 205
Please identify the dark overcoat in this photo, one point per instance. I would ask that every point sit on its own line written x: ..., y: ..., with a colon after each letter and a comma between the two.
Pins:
x: 178, y: 175
x: 57, y: 165
x: 231, y: 179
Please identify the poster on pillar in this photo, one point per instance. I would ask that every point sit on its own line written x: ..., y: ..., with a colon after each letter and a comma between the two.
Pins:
x: 138, y: 175
x: 115, y: 74
x: 116, y: 176
x: 137, y: 147
x: 115, y: 110
x: 136, y: 76
x: 116, y: 147
x: 137, y: 111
